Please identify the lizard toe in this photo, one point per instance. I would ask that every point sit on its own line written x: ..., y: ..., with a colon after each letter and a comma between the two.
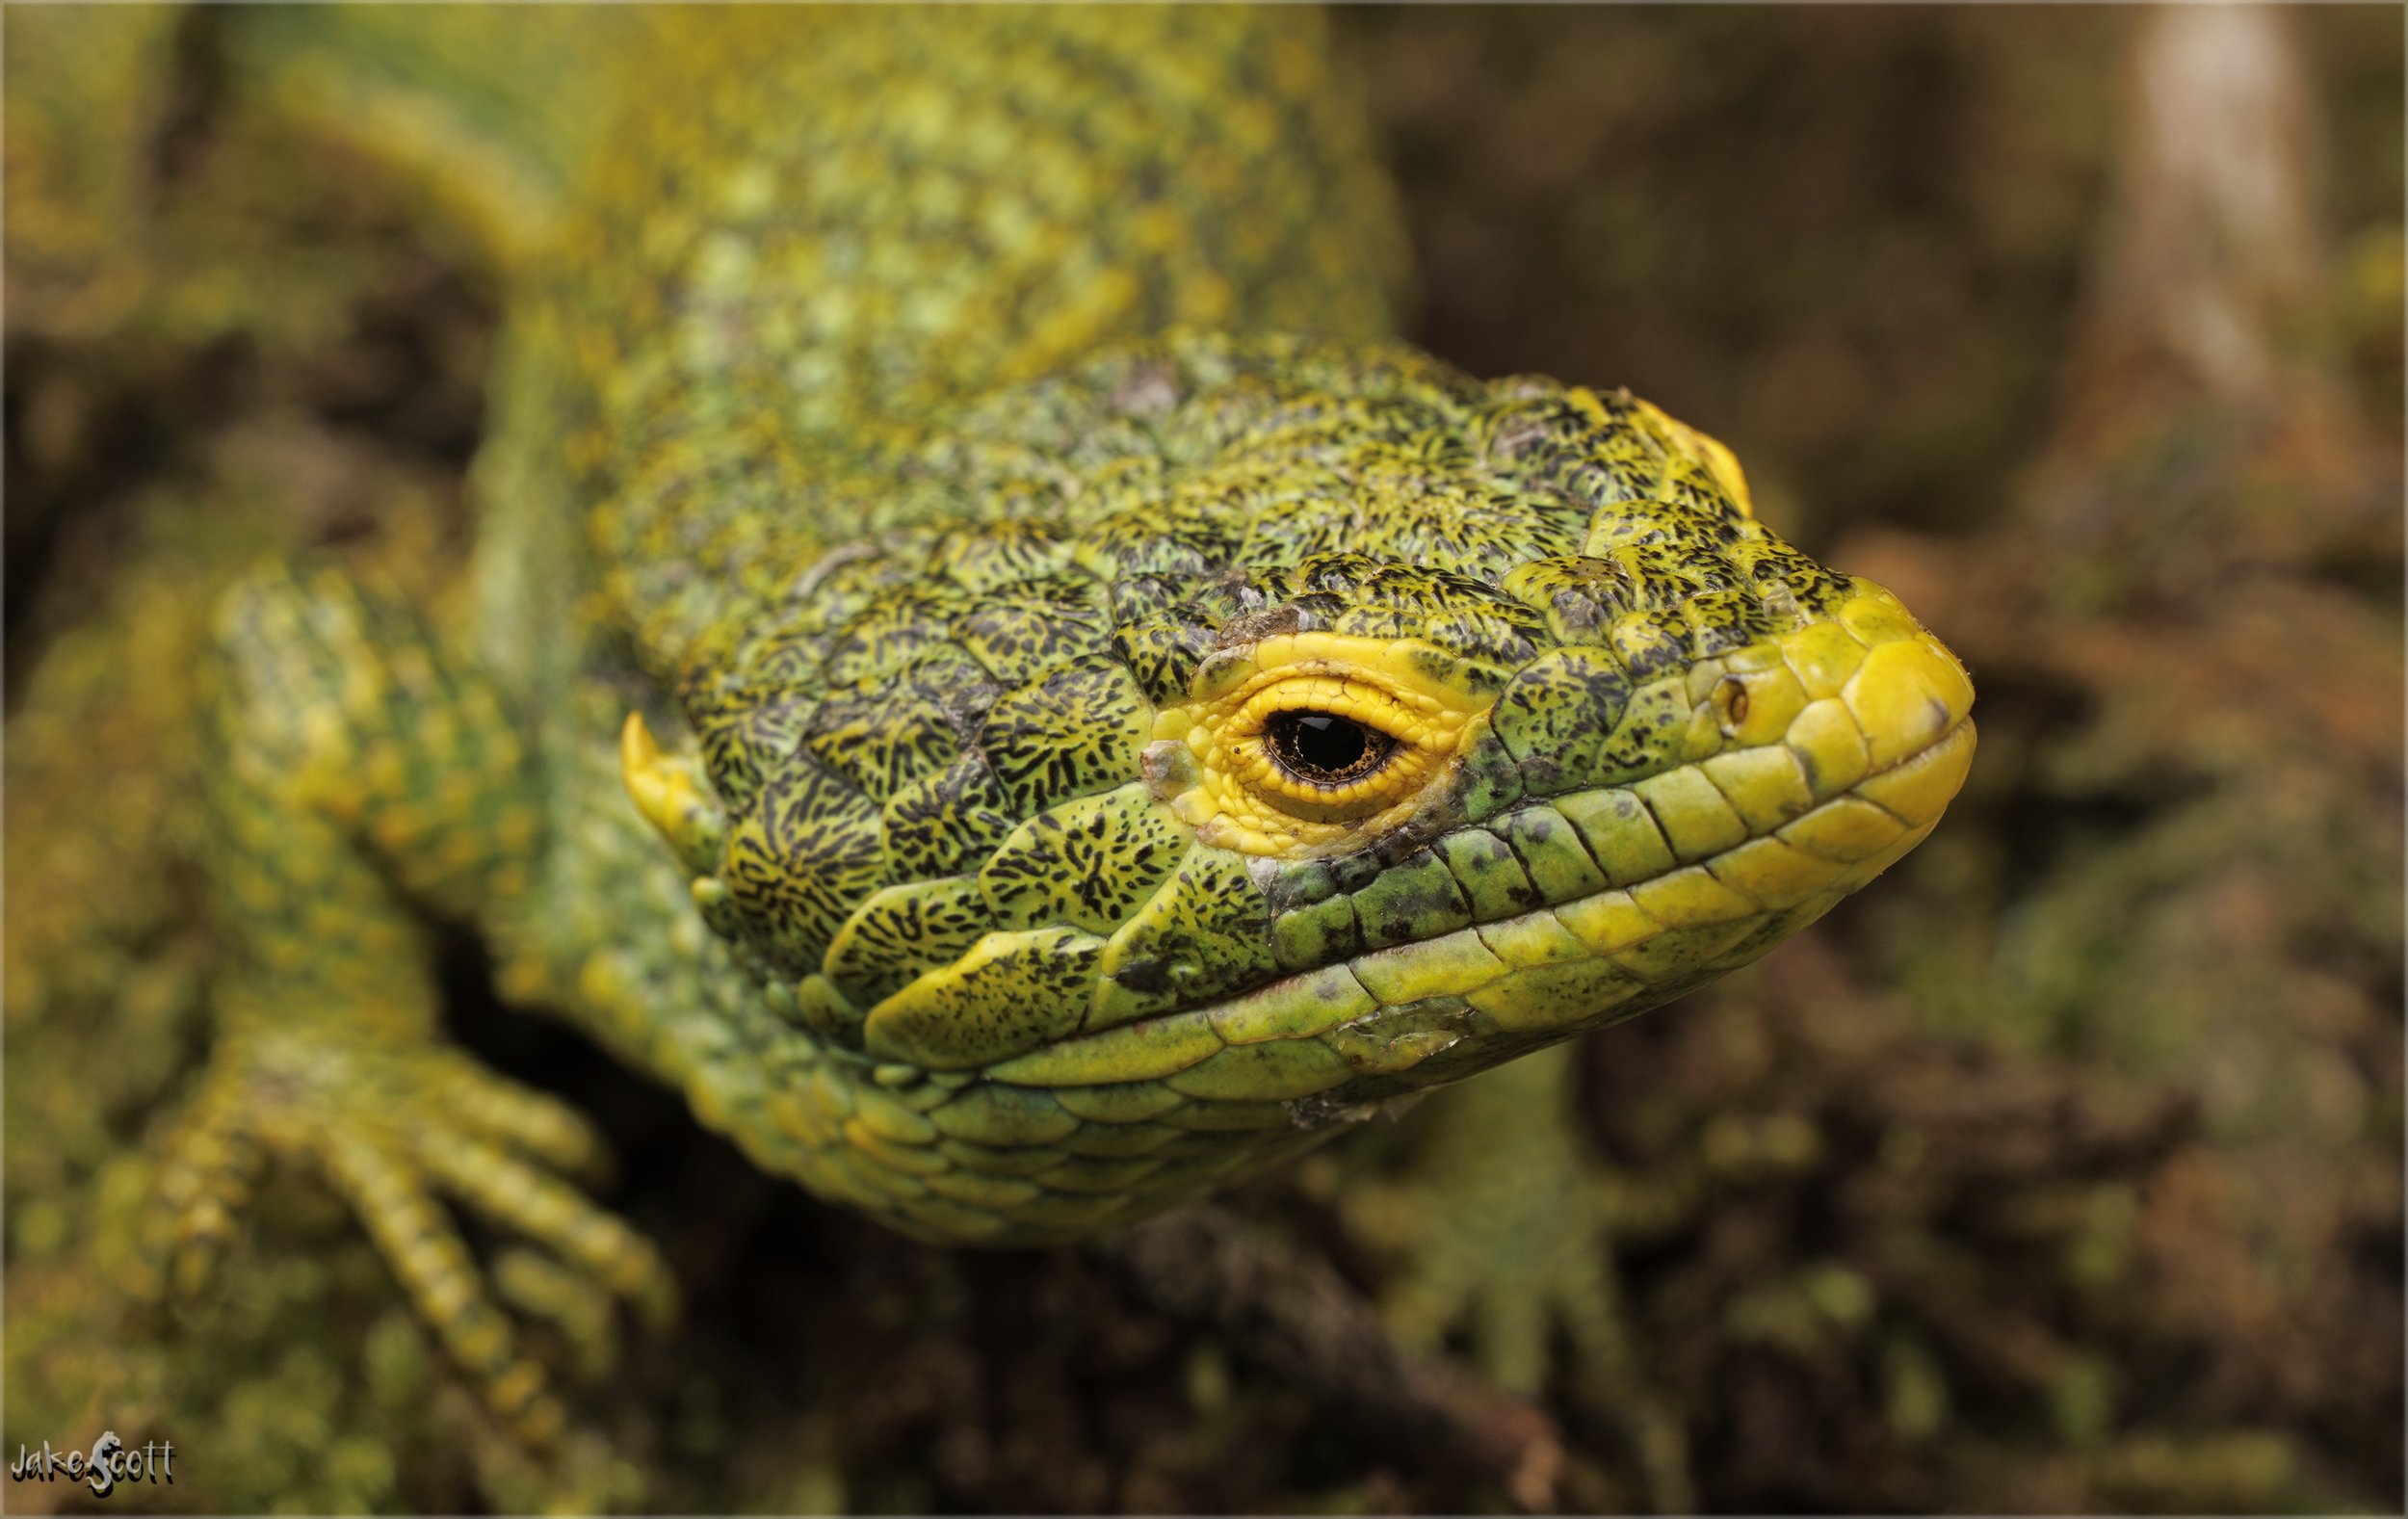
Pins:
x: 427, y: 1252
x: 555, y: 1214
x: 539, y: 1126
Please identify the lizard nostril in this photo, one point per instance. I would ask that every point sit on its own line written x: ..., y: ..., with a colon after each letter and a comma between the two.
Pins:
x: 1731, y: 696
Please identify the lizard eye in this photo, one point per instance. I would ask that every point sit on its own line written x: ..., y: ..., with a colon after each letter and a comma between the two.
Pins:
x: 1309, y: 744
x: 1330, y: 748
x: 1326, y: 748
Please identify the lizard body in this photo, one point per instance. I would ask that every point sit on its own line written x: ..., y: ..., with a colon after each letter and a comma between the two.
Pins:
x: 954, y: 686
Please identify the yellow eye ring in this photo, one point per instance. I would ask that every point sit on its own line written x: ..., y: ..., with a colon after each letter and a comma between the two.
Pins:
x: 1266, y: 734
x: 1229, y: 760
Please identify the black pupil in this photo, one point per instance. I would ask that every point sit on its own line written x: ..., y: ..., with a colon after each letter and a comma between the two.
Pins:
x: 1326, y: 750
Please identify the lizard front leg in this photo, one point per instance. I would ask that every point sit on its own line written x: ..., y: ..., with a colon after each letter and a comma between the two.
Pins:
x: 363, y: 780
x: 1511, y: 1231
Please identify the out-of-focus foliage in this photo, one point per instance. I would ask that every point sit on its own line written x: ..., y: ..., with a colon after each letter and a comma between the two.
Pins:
x: 1850, y: 241
x: 2105, y: 1207
x: 2060, y: 1170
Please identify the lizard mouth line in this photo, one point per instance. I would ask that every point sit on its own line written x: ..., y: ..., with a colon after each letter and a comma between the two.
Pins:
x: 1425, y: 1012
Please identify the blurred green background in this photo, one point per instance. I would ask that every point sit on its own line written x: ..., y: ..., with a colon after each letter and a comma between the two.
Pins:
x: 2059, y: 1171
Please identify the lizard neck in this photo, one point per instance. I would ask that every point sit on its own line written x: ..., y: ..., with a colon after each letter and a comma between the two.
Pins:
x: 786, y: 276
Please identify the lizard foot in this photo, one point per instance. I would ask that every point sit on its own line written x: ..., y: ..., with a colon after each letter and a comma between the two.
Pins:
x: 391, y: 1127
x: 1507, y: 1232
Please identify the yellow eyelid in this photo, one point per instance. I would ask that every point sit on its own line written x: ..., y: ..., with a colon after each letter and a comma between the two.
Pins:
x: 1364, y: 703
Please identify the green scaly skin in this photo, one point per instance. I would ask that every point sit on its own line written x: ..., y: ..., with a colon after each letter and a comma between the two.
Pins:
x: 899, y: 420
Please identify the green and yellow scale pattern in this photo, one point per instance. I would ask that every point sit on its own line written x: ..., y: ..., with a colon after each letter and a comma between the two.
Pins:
x: 903, y: 448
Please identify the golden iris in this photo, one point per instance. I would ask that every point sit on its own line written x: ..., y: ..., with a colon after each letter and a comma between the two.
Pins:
x: 1325, y: 749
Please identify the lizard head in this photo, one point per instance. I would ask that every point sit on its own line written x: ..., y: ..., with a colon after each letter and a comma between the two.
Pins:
x: 1237, y: 733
